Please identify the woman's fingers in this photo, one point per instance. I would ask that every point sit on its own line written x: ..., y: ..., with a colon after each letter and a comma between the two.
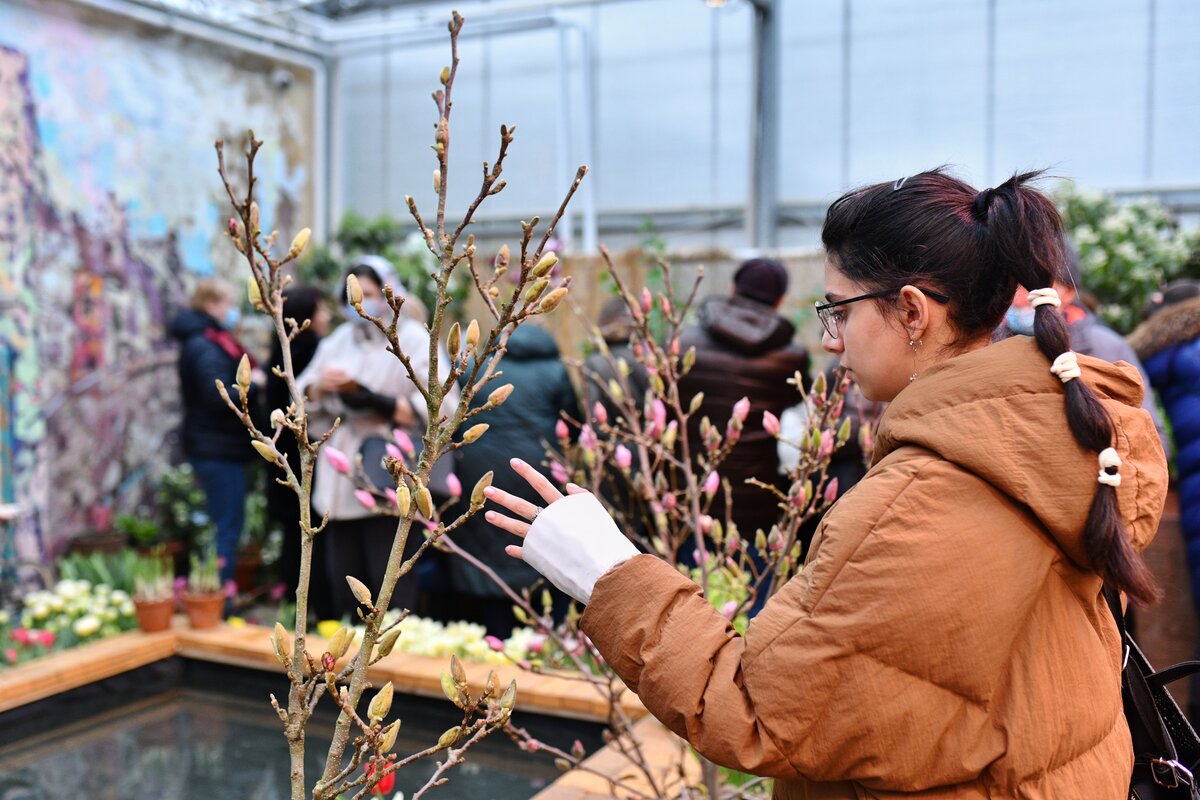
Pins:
x: 540, y: 483
x: 573, y: 488
x: 516, y: 527
x: 516, y: 551
x: 518, y: 505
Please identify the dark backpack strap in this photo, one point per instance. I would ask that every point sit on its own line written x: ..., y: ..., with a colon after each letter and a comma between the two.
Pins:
x: 1173, y: 673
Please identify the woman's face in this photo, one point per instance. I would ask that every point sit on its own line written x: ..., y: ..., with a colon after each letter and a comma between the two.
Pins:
x: 320, y: 319
x: 872, y: 345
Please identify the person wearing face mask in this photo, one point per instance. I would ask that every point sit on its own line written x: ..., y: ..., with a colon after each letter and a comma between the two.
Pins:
x: 214, y: 440
x: 352, y: 376
x: 1089, y: 334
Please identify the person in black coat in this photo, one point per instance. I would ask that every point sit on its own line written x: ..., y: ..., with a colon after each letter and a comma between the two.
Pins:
x: 300, y: 302
x: 214, y: 439
x: 520, y: 428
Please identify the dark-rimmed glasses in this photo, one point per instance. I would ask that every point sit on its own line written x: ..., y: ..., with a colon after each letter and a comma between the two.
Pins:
x: 832, y: 319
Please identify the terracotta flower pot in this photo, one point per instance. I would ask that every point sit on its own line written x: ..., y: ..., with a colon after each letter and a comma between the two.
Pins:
x: 154, y: 615
x: 204, y: 610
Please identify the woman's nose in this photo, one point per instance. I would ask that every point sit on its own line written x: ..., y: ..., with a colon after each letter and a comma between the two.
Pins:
x: 831, y: 344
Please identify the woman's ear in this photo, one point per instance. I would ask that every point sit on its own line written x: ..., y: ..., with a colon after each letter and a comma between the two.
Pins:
x: 914, y: 310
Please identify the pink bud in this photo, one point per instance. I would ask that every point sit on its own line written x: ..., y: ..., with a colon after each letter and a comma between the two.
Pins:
x: 599, y: 413
x: 647, y: 300
x: 699, y: 556
x: 826, y: 448
x: 406, y: 443
x: 536, y: 644
x: 837, y: 410
x: 637, y: 350
x: 560, y: 430
x: 494, y: 643
x: 741, y: 409
x: 674, y: 348
x: 558, y: 473
x: 587, y: 438
x: 390, y: 494
x: 669, y: 502
x: 775, y: 540
x: 364, y: 497
x: 233, y: 226
x: 729, y: 609
x: 659, y: 419
x: 453, y: 485
x: 47, y: 638
x: 770, y: 423
x: 394, y: 451
x: 831, y: 490
x: 337, y: 459
x: 705, y: 523
x: 21, y: 636
x: 712, y: 483
x: 624, y: 457
x: 230, y: 589
x: 666, y: 304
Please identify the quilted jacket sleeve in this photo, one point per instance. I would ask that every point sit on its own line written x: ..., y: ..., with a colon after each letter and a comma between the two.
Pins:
x: 876, y: 664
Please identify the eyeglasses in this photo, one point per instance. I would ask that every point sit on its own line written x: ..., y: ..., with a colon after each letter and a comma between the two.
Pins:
x: 833, y: 319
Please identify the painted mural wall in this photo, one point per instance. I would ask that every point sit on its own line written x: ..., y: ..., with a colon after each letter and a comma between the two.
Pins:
x: 110, y: 208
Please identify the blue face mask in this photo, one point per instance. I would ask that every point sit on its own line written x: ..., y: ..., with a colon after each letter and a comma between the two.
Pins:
x: 1020, y: 320
x: 232, y: 317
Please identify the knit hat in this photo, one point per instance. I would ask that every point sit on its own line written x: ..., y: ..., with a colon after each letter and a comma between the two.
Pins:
x: 761, y: 279
x: 615, y: 321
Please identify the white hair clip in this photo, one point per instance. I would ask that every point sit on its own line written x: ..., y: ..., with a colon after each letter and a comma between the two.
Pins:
x: 1066, y: 367
x: 898, y: 185
x: 1110, y: 462
x: 1041, y: 297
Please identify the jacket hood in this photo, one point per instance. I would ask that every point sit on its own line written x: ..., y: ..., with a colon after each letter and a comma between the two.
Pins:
x: 530, y: 343
x: 191, y: 322
x: 745, y: 324
x: 1173, y: 325
x: 999, y: 413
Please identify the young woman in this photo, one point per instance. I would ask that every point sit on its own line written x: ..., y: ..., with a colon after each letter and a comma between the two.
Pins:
x: 948, y: 636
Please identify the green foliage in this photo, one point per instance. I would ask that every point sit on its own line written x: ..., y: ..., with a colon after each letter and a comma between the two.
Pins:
x: 1128, y: 250
x: 116, y: 570
x: 139, y: 528
x: 154, y: 576
x: 204, y: 577
x: 181, y: 507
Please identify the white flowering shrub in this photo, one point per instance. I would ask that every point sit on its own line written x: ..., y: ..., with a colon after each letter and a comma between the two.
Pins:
x: 1128, y: 250
x: 73, y: 612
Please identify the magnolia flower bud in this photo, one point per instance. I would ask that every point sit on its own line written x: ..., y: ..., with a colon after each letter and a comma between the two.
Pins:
x: 254, y: 293
x: 337, y: 459
x: 448, y: 738
x: 647, y: 300
x: 483, y: 483
x: 454, y: 340
x: 354, y: 293
x: 599, y: 413
x: 387, y: 739
x: 266, y: 451
x: 535, y: 290
x: 615, y: 391
x: 451, y: 690
x: 831, y: 490
x: 509, y: 699
x: 405, y: 442
x: 340, y: 642
x: 254, y: 228
x: 669, y: 435
x: 472, y: 334
x: 689, y: 360
x: 425, y: 502
x: 445, y: 76
x: 454, y: 485
x: 502, y: 256
x: 741, y: 409
x: 381, y: 704
x: 770, y: 423
x: 235, y: 229
x: 712, y: 483
x: 281, y: 644
x: 562, y: 764
x: 544, y: 265
x: 561, y: 431
x: 475, y: 431
x: 694, y: 406
x: 552, y: 300
x: 366, y: 498
x: 819, y: 385
x: 299, y: 243
x: 843, y: 434
x: 385, y: 645
x: 499, y: 395
x: 361, y: 593
x: 243, y: 374
x: 826, y: 448
x: 457, y: 672
x: 624, y: 457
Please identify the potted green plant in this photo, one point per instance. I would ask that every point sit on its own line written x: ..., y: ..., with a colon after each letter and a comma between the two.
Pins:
x: 153, y: 597
x: 203, y: 599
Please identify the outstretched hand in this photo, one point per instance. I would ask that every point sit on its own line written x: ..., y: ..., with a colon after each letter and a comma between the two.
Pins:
x: 572, y: 540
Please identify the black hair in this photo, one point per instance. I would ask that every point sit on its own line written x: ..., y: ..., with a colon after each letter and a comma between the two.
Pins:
x: 934, y: 230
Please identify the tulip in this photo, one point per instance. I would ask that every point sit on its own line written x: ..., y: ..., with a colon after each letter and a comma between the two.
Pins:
x: 624, y: 457
x: 337, y: 459
x: 770, y: 423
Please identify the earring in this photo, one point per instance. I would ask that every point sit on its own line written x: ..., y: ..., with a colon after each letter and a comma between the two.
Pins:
x: 914, y: 344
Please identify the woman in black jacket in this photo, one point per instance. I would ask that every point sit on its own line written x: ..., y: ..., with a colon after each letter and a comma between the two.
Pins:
x: 214, y: 439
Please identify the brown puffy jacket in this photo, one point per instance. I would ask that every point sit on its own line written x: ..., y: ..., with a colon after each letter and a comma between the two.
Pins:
x: 946, y: 638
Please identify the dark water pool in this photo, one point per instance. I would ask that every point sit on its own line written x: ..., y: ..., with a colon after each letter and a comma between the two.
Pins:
x: 186, y: 730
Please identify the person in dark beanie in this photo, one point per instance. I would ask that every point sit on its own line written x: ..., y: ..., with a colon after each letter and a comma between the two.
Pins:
x: 744, y: 349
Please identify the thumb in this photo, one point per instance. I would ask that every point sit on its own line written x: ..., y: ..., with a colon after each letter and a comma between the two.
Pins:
x: 516, y: 551
x: 576, y: 489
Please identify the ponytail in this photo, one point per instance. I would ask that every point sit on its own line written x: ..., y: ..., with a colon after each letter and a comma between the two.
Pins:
x: 1026, y: 234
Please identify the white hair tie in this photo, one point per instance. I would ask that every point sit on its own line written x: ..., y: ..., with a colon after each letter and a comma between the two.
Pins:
x: 1066, y: 367
x: 1109, y: 460
x: 1041, y: 297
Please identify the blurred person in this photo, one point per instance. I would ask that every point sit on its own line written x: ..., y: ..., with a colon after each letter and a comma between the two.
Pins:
x: 352, y: 376
x: 1169, y: 341
x: 522, y: 428
x: 1089, y: 334
x: 949, y: 635
x: 300, y: 302
x: 744, y: 349
x: 616, y: 326
x: 215, y: 441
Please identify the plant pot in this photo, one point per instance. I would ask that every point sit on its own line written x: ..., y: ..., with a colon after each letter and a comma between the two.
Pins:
x: 154, y: 615
x: 204, y: 610
x: 246, y: 568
